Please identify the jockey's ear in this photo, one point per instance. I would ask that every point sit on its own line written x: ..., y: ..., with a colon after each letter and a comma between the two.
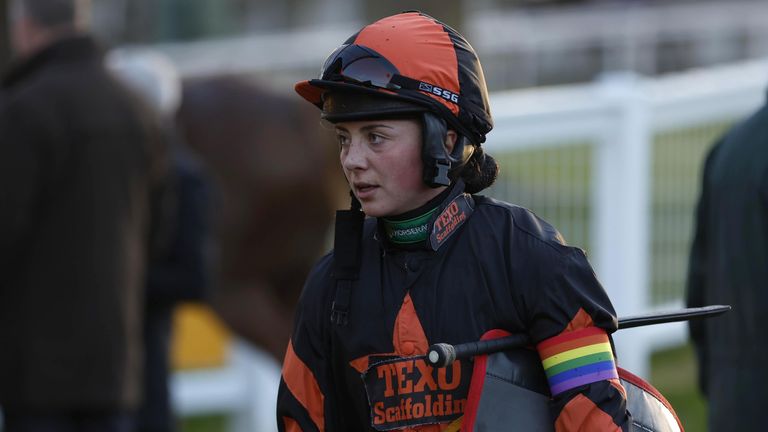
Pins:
x: 450, y: 140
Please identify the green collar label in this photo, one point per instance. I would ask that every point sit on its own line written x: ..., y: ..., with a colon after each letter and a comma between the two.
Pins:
x: 408, y: 231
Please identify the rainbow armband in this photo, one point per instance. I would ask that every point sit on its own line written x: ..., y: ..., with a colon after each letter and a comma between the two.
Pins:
x: 577, y: 358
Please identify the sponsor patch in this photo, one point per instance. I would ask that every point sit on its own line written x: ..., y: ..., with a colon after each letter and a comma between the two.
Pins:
x: 439, y: 91
x: 449, y: 221
x: 408, y: 392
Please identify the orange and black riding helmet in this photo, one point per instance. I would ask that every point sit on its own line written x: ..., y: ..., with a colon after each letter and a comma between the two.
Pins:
x: 412, y: 63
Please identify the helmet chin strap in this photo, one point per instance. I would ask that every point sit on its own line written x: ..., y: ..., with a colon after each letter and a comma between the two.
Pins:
x: 439, y: 166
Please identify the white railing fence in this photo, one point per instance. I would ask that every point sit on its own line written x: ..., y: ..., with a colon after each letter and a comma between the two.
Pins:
x: 245, y: 389
x: 519, y: 47
x: 628, y: 128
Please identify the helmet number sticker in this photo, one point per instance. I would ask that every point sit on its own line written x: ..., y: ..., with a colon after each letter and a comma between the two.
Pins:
x: 439, y: 91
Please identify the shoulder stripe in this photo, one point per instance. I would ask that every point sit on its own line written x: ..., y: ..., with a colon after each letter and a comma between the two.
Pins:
x: 302, y: 384
x: 582, y: 414
x: 291, y: 425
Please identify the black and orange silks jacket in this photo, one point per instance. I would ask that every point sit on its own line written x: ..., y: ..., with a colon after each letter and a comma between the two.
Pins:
x: 500, y: 267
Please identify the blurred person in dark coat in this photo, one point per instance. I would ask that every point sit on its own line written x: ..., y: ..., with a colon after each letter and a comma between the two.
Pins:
x: 79, y: 160
x: 729, y: 265
x: 181, y: 271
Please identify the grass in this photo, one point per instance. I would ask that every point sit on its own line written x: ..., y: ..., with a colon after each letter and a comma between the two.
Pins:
x: 674, y: 374
x: 207, y: 423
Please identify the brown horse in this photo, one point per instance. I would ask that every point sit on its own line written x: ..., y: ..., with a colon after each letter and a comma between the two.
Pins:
x: 276, y: 184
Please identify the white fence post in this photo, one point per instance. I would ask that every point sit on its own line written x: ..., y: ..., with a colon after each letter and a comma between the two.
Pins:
x: 261, y: 375
x: 245, y: 388
x: 621, y: 194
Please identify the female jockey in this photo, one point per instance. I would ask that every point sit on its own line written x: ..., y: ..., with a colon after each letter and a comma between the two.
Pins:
x: 421, y: 258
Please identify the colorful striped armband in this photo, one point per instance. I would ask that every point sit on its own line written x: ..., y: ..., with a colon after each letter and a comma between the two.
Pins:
x: 576, y: 358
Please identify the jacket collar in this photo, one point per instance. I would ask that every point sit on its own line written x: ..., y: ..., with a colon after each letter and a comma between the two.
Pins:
x: 69, y: 49
x: 450, y: 214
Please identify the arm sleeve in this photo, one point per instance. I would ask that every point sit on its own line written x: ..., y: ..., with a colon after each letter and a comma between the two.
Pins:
x: 570, y: 323
x: 304, y: 401
x: 22, y: 169
x: 697, y: 265
x: 183, y: 273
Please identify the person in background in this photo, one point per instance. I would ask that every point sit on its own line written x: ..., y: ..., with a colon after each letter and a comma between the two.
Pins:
x: 181, y: 271
x: 729, y: 265
x: 80, y: 161
x: 422, y: 258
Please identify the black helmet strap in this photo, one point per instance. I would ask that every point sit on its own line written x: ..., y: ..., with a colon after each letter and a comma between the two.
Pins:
x: 439, y: 166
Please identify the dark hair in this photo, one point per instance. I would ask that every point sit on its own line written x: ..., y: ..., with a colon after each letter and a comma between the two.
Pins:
x: 480, y: 171
x: 49, y: 13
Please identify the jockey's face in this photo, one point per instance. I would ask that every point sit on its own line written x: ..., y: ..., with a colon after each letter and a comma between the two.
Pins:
x: 382, y: 162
